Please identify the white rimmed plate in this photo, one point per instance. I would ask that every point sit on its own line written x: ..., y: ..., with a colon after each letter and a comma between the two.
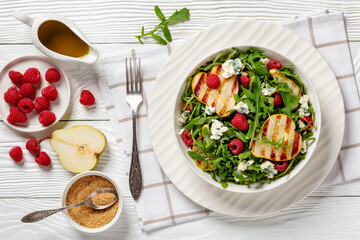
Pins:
x: 164, y: 99
x: 58, y: 106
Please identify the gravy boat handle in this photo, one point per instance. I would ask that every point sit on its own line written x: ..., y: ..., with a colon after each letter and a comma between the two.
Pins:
x: 23, y: 17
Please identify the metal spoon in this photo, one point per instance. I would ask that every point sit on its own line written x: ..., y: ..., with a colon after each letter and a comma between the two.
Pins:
x: 39, y: 215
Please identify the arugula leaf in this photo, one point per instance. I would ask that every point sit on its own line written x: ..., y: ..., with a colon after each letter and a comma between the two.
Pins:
x: 177, y: 16
x: 290, y: 103
x: 196, y: 156
x: 257, y: 94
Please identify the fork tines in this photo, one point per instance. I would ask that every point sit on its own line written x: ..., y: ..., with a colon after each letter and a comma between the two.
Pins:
x: 133, y: 79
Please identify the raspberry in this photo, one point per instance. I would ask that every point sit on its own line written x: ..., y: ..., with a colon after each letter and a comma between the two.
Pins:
x: 274, y: 64
x: 186, y: 137
x: 245, y: 81
x: 50, y: 93
x: 213, y: 81
x: 277, y: 99
x: 239, y: 121
x: 308, y: 121
x: 46, y: 118
x: 25, y: 105
x: 281, y: 166
x: 86, y: 98
x: 33, y: 146
x: 16, y: 154
x: 189, y: 106
x: 12, y: 96
x: 27, y: 90
x: 52, y: 75
x: 236, y: 146
x: 15, y: 77
x: 43, y: 159
x: 41, y: 103
x: 32, y: 75
x: 16, y: 116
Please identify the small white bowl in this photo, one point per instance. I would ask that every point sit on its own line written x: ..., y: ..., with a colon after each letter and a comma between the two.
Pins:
x: 75, y: 224
x: 59, y: 106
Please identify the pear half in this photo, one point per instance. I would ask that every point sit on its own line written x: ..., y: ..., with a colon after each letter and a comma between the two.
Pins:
x: 79, y: 147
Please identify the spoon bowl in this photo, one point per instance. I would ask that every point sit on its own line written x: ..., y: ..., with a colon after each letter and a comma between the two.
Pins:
x: 89, y: 201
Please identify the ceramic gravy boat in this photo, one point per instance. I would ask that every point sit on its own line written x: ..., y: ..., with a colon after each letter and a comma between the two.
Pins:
x: 35, y: 23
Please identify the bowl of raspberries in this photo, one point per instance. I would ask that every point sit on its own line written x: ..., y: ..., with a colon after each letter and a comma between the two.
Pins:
x: 35, y: 94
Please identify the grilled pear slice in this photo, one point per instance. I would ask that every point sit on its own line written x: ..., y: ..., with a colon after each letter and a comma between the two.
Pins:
x: 222, y: 97
x: 279, y: 129
x: 195, y: 148
x: 281, y: 78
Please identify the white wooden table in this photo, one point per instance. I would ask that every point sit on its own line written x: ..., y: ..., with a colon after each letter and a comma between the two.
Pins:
x: 331, y: 212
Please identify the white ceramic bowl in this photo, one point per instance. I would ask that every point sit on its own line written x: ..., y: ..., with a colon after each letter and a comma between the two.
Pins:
x: 75, y: 224
x: 310, y: 91
x: 59, y: 106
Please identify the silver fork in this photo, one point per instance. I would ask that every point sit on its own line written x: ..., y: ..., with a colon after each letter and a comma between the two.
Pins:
x: 134, y: 98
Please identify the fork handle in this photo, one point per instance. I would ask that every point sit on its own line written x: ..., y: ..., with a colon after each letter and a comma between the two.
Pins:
x: 135, y: 178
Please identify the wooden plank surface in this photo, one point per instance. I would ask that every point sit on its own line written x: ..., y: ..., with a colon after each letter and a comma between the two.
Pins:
x: 330, y: 212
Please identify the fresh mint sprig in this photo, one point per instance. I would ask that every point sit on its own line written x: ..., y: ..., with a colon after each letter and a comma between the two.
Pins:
x: 177, y: 16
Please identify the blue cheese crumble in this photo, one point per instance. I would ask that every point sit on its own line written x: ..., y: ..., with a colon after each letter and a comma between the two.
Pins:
x: 243, y: 165
x: 182, y: 118
x: 231, y: 67
x: 209, y: 110
x: 242, y: 107
x: 269, y: 167
x: 217, y: 129
x: 265, y: 61
x: 267, y: 89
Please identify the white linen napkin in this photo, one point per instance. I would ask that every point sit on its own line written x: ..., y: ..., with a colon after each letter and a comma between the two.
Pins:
x: 161, y: 203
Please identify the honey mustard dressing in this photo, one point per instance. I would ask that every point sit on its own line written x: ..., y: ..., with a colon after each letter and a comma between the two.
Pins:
x: 59, y: 38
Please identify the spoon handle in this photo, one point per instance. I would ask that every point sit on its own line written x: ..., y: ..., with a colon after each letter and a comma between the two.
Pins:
x: 39, y: 215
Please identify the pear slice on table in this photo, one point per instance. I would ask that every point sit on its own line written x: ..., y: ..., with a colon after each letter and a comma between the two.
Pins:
x: 278, y: 128
x: 79, y: 147
x: 222, y: 98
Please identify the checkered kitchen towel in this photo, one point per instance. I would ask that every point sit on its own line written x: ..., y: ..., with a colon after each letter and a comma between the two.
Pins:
x: 160, y: 203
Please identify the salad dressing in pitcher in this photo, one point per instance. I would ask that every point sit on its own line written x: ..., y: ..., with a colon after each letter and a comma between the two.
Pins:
x: 57, y: 37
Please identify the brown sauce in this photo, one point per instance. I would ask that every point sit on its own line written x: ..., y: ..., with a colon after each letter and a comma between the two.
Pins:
x: 59, y: 38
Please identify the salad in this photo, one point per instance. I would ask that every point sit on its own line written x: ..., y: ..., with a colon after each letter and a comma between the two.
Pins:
x: 246, y: 118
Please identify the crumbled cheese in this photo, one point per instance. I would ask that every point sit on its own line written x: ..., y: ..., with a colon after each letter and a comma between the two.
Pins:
x: 304, y: 100
x: 181, y: 131
x: 217, y: 129
x: 267, y: 89
x: 231, y: 67
x: 270, y: 168
x: 242, y: 107
x: 301, y: 124
x: 265, y: 61
x: 182, y: 118
x: 303, y: 112
x: 303, y: 147
x: 209, y: 110
x: 242, y: 166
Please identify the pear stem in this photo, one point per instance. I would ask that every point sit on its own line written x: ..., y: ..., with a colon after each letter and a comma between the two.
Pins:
x: 42, y: 139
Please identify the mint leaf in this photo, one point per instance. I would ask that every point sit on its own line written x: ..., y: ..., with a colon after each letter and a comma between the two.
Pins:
x: 167, y: 33
x: 178, y: 16
x: 158, y: 38
x: 159, y: 13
